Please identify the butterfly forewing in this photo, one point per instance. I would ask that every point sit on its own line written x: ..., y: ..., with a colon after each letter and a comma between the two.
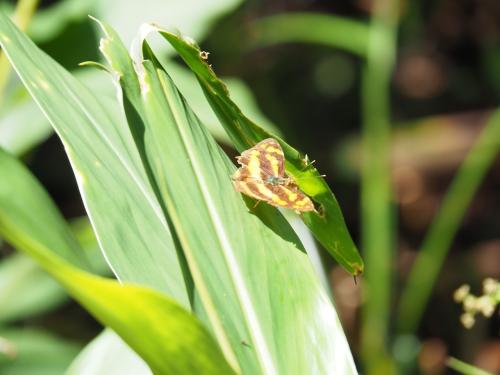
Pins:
x: 265, y: 159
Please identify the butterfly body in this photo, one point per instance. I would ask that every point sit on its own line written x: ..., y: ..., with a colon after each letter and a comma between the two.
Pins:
x: 273, y: 180
x: 262, y: 176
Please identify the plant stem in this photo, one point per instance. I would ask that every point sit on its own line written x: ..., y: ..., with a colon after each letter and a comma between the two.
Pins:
x: 322, y: 29
x: 22, y: 16
x: 377, y: 231
x: 445, y: 225
x: 465, y: 368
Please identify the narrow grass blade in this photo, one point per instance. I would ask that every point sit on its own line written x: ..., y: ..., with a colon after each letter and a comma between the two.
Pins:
x: 464, y: 368
x: 445, y: 225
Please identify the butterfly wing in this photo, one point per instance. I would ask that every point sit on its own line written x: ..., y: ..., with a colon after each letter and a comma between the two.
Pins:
x: 258, y: 164
x: 286, y: 196
x: 250, y: 186
x: 264, y: 160
x: 289, y: 196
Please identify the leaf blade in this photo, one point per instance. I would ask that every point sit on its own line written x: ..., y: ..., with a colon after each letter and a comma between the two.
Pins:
x: 167, y: 337
x: 252, y: 277
x: 329, y: 227
x: 109, y: 171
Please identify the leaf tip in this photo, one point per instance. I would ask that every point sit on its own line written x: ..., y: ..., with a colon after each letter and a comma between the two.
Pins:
x: 94, y: 64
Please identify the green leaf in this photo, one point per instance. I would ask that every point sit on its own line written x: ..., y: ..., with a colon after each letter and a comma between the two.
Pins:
x: 328, y: 226
x: 108, y: 354
x: 318, y: 28
x: 21, y: 123
x: 166, y: 336
x: 110, y: 173
x: 464, y: 368
x: 34, y: 352
x: 18, y: 196
x: 189, y: 87
x: 25, y: 289
x: 256, y: 285
x: 191, y: 15
x: 261, y: 296
x: 22, y: 126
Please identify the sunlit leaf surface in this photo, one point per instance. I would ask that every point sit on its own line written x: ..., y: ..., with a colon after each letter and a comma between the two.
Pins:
x: 329, y: 226
x: 168, y: 338
x: 259, y: 291
x: 255, y: 286
x: 121, y: 204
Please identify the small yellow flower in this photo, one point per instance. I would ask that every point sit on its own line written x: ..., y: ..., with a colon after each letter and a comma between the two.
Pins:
x: 486, y: 305
x: 467, y: 320
x: 490, y: 286
x: 470, y: 303
x: 461, y: 293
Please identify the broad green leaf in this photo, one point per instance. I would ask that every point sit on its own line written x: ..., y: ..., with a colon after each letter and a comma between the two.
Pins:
x: 120, y: 202
x: 108, y: 354
x: 168, y: 338
x: 34, y: 352
x: 23, y: 125
x: 328, y: 226
x: 189, y: 87
x: 264, y: 303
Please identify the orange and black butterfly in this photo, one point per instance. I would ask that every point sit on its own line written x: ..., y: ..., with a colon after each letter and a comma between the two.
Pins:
x: 262, y: 176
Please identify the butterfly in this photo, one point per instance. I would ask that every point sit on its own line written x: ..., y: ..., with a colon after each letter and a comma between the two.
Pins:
x: 262, y: 176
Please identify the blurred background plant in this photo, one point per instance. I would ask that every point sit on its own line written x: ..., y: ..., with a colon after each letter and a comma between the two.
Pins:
x: 395, y: 100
